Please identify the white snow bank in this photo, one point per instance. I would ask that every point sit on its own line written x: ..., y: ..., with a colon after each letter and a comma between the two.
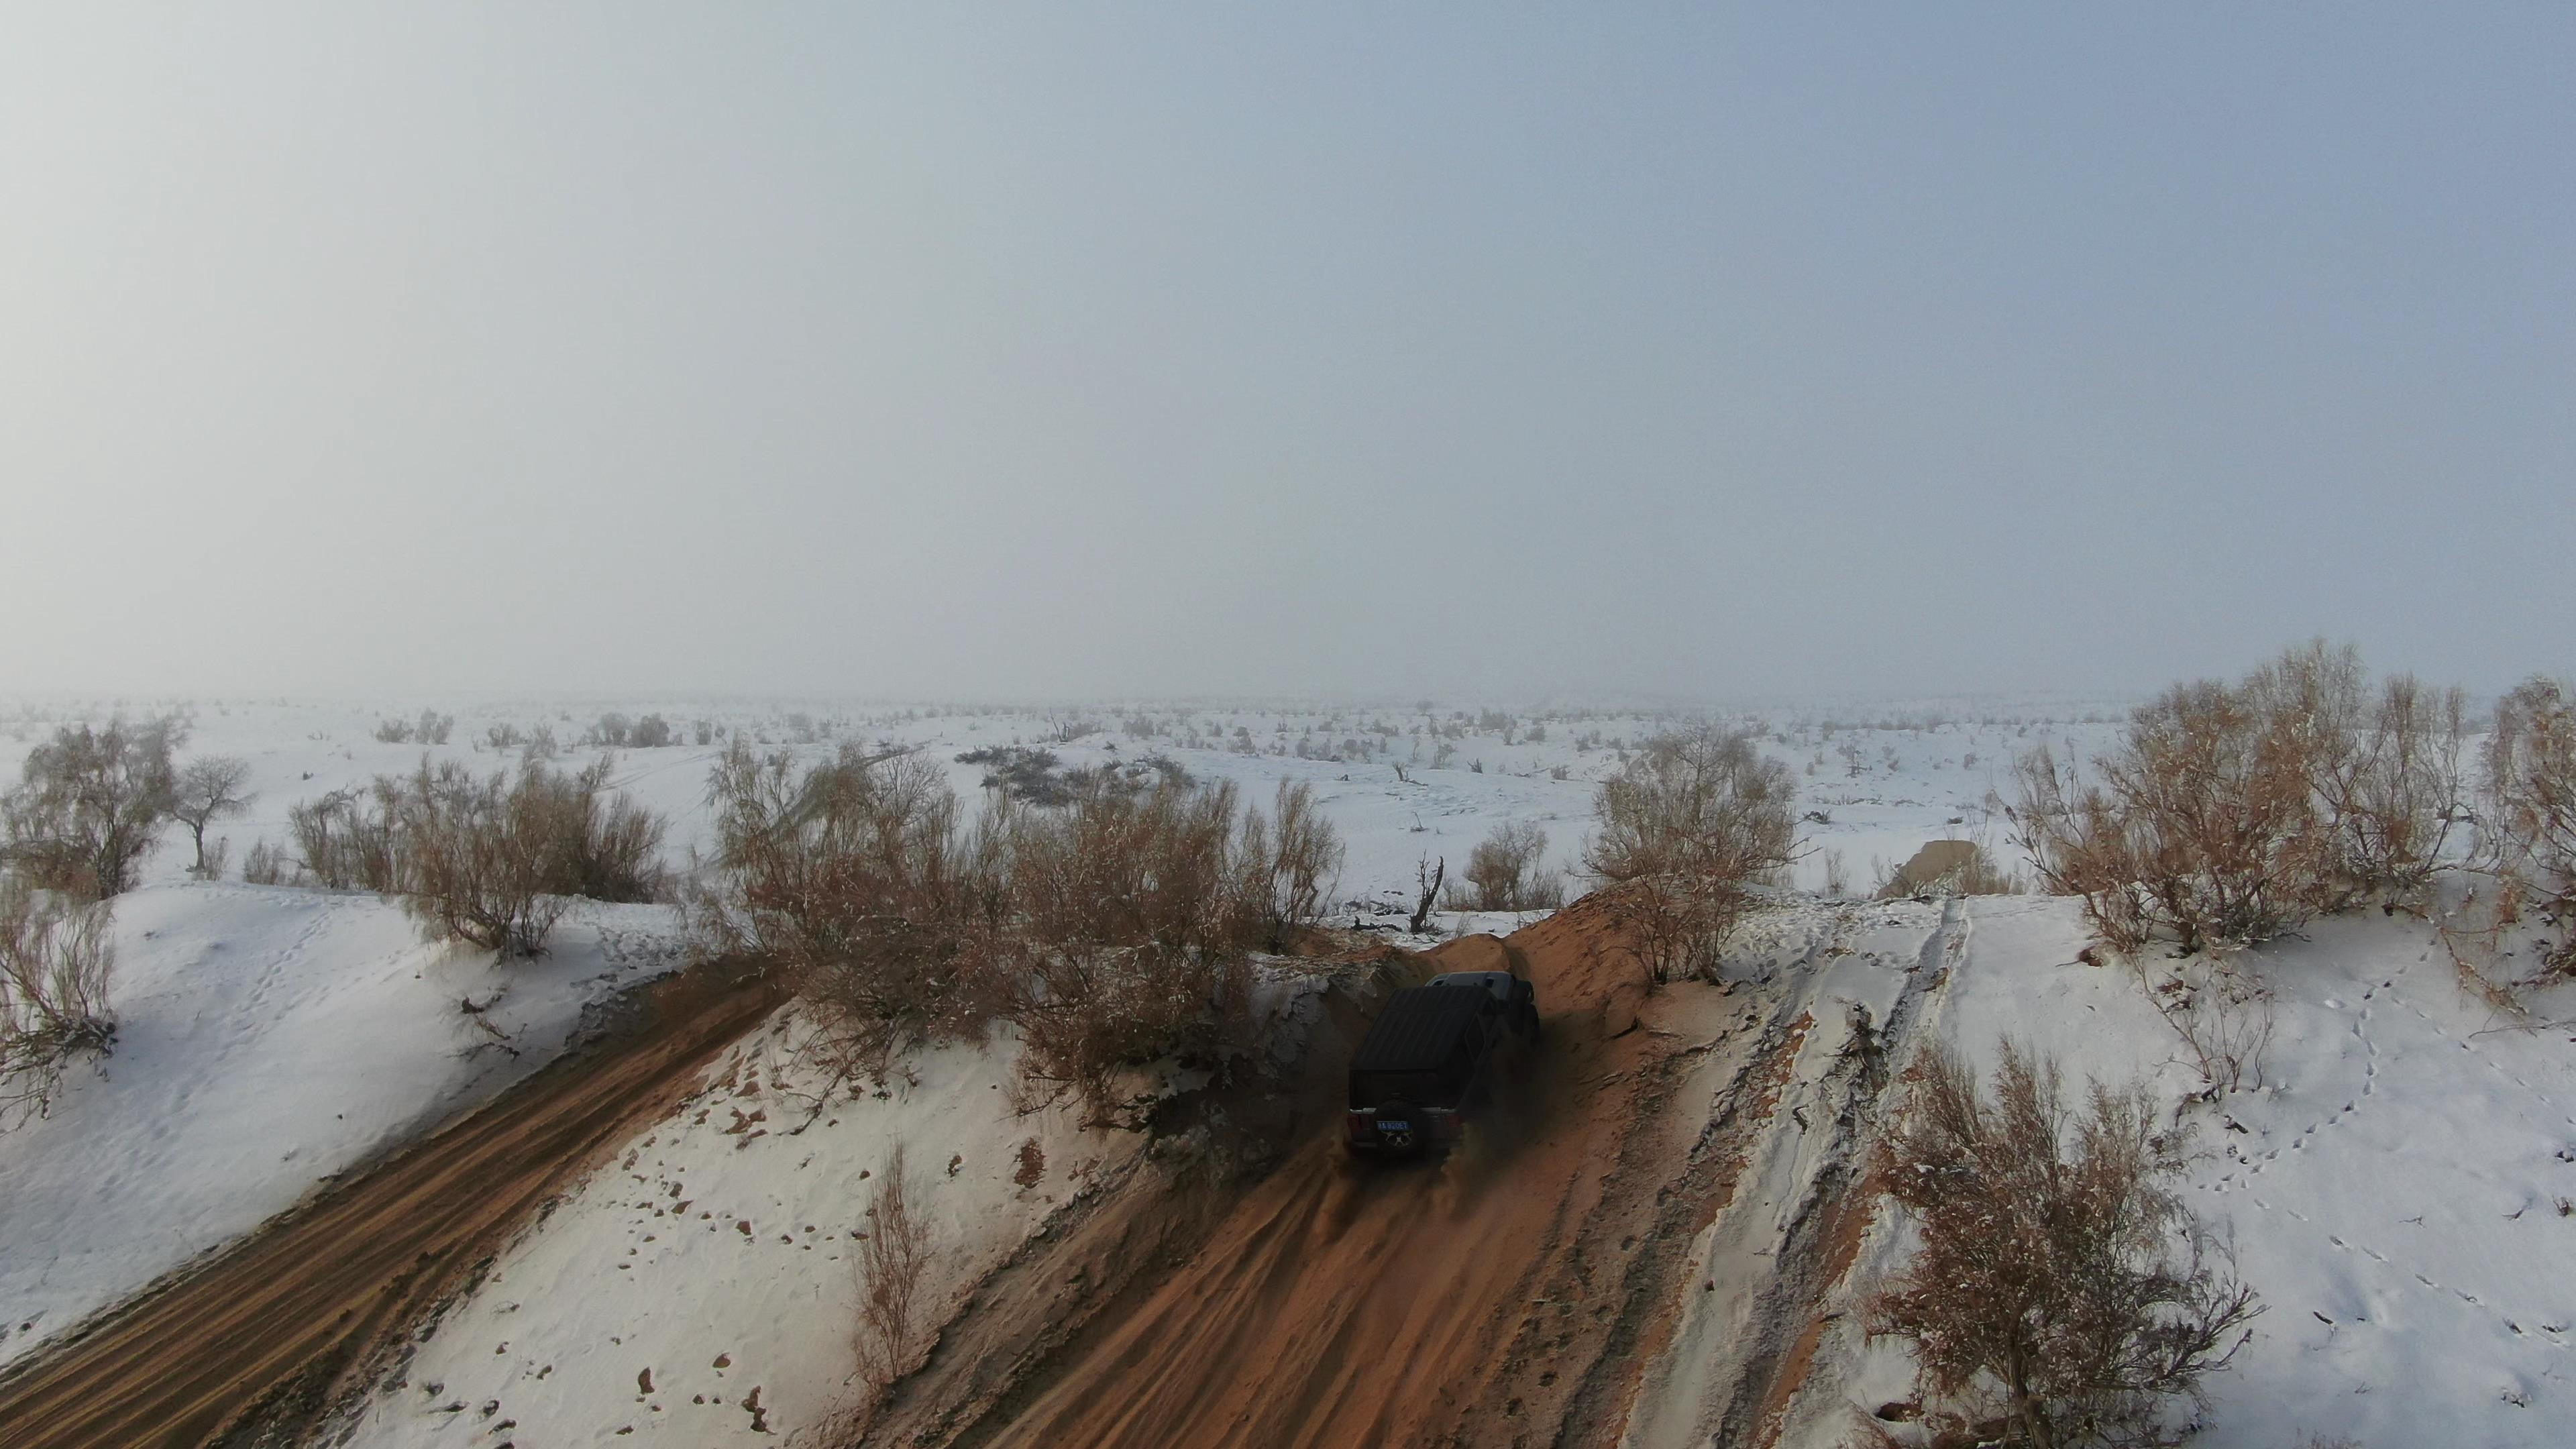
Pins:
x: 713, y: 1258
x: 268, y: 1039
x: 2402, y: 1192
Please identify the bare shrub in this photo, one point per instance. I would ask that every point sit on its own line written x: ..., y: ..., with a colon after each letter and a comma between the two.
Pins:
x: 650, y: 733
x: 2531, y: 802
x: 433, y: 728
x: 55, y: 961
x: 346, y: 845
x: 477, y: 857
x: 1289, y: 862
x: 2399, y: 796
x: 91, y: 805
x: 267, y: 865
x: 1111, y: 930
x: 893, y: 1254
x: 2062, y: 1288
x: 394, y: 731
x: 1692, y: 819
x: 485, y: 859
x: 855, y: 876
x: 1129, y: 918
x: 592, y: 844
x: 2205, y: 822
x: 1504, y: 873
x: 2222, y: 1013
x: 2235, y: 813
x: 209, y: 788
x: 540, y: 746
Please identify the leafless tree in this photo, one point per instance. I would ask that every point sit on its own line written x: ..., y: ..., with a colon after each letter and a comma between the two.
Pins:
x: 1426, y: 880
x: 2063, y: 1293
x: 91, y: 805
x: 209, y: 788
x: 55, y: 960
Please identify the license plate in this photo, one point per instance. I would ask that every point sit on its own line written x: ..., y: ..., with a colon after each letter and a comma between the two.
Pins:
x: 1385, y: 1126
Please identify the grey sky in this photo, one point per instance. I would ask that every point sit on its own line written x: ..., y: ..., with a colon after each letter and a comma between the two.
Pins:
x: 1079, y: 350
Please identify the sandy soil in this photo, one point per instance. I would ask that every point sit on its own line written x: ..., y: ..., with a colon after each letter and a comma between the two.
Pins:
x: 250, y: 1345
x: 1510, y: 1295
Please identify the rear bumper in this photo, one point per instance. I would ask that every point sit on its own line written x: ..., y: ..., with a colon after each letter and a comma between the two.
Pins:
x: 1426, y: 1131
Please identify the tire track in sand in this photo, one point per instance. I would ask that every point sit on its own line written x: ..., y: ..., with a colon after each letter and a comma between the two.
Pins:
x: 259, y: 1340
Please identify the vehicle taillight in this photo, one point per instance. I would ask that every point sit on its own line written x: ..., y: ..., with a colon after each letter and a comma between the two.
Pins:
x: 1357, y: 1122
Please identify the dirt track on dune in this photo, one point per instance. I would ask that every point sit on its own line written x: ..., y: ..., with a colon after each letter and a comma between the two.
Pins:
x: 1507, y: 1296
x: 248, y: 1346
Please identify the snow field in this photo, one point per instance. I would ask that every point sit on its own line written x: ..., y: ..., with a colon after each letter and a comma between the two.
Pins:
x: 268, y: 1039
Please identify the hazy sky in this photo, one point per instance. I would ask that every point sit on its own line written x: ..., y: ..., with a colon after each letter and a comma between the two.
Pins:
x: 1085, y: 350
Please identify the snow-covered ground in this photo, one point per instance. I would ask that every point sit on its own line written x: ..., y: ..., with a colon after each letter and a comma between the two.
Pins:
x: 267, y: 1040
x: 703, y: 1290
x: 271, y: 1037
x: 2401, y: 1190
x: 1401, y: 782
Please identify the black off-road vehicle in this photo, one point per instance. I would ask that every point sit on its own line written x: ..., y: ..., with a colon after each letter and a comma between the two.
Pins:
x: 1433, y: 1057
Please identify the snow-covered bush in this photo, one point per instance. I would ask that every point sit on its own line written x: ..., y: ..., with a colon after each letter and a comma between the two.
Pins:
x: 1693, y: 817
x: 91, y: 805
x: 2531, y: 798
x: 54, y: 966
x: 2063, y: 1294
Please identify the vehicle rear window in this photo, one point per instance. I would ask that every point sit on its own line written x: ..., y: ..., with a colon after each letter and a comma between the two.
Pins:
x: 1369, y: 1089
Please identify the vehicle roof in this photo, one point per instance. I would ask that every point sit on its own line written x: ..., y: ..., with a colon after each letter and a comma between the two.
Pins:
x: 1487, y: 979
x: 1420, y: 1027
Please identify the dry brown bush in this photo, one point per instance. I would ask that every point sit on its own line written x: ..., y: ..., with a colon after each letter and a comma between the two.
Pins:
x: 2400, y: 795
x: 55, y: 961
x: 1288, y: 863
x: 855, y: 877
x: 477, y: 855
x: 892, y: 1258
x: 90, y: 806
x: 1130, y: 918
x: 485, y: 859
x: 2062, y: 1289
x: 1111, y: 930
x: 2531, y: 803
x: 2235, y: 813
x: 1692, y: 819
x: 343, y: 844
x: 1504, y: 873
